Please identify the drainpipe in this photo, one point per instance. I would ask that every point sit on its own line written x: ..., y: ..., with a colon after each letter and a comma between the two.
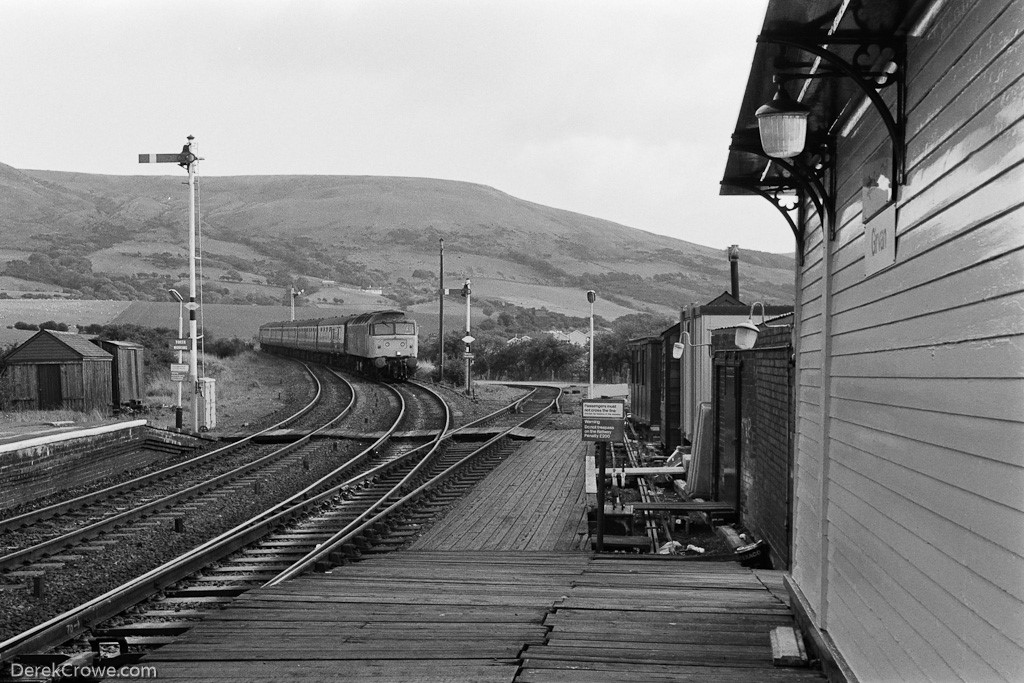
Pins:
x: 734, y: 269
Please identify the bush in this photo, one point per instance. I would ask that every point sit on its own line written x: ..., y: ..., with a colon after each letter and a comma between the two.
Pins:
x: 226, y: 348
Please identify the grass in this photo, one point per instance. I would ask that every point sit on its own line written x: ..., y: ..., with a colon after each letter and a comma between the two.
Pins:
x: 235, y: 377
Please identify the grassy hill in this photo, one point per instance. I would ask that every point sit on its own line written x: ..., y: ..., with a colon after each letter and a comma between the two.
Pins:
x: 124, y: 238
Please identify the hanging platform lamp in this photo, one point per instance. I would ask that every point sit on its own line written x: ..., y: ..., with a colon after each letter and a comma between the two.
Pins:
x: 782, y: 124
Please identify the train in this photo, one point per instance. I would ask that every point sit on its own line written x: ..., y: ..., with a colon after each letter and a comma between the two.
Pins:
x: 380, y: 344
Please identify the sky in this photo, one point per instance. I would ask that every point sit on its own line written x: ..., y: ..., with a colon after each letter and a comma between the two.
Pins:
x: 618, y: 109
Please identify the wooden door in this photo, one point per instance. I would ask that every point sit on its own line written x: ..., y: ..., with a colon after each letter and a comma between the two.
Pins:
x: 727, y: 476
x: 50, y: 394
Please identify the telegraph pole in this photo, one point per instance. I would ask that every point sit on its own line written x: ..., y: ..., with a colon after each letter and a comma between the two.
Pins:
x: 188, y: 160
x: 440, y: 318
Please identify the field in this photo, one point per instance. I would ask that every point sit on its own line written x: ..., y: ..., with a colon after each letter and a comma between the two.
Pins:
x: 70, y: 311
x: 555, y: 299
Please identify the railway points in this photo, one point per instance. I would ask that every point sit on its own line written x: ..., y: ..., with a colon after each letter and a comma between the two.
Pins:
x: 499, y: 586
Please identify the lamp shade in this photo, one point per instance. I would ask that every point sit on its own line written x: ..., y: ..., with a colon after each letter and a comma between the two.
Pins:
x: 746, y: 335
x: 782, y: 124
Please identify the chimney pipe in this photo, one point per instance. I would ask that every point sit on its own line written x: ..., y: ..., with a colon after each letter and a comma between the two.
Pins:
x: 734, y: 268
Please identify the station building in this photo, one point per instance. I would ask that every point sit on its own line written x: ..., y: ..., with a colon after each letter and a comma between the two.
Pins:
x: 904, y: 199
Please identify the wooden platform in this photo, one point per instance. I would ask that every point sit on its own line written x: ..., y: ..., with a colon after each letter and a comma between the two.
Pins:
x: 495, y: 616
x: 534, y: 500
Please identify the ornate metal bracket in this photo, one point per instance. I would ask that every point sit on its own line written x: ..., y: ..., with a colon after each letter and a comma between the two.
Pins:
x: 807, y: 172
x: 878, y: 62
x: 781, y: 197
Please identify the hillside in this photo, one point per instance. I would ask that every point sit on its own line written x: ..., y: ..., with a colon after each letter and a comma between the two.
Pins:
x: 124, y: 237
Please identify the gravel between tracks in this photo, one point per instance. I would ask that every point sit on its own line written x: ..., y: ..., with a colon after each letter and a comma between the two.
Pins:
x: 270, y: 386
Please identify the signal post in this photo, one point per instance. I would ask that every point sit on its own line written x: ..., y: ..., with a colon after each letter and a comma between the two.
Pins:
x: 187, y: 159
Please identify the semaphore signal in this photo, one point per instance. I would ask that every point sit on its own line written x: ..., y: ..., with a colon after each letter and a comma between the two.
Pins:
x: 187, y: 160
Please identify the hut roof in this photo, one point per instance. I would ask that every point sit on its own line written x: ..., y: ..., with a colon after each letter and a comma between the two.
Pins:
x: 120, y: 344
x: 49, y: 346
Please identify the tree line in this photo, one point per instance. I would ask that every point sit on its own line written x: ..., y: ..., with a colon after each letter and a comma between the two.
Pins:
x: 542, y: 357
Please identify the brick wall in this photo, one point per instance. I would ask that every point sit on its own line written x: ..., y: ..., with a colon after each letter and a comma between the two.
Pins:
x: 44, y: 466
x: 766, y: 432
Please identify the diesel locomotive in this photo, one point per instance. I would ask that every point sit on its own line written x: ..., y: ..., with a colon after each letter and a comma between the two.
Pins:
x: 381, y: 344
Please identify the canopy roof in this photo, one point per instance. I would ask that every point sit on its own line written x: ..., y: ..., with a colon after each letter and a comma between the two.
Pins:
x: 816, y: 38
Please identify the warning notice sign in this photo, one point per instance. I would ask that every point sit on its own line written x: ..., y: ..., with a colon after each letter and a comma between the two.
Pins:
x: 602, y: 419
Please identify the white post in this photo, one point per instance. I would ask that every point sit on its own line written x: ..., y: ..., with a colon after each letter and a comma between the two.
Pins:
x: 468, y: 359
x: 193, y: 361
x: 181, y: 303
x: 291, y: 299
x: 591, y: 297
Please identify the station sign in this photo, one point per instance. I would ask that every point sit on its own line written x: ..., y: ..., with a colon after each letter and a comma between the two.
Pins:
x: 180, y: 345
x: 179, y: 372
x: 603, y: 419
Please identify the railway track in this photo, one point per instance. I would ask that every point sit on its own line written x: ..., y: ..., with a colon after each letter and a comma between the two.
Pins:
x: 403, y: 477
x: 20, y: 532
x: 144, y: 531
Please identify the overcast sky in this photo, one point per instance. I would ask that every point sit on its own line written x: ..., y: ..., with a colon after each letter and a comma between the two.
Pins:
x: 616, y: 109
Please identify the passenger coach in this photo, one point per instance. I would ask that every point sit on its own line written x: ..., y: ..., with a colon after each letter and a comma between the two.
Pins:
x: 379, y: 344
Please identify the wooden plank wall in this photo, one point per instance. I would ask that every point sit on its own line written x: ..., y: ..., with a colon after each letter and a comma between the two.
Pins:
x: 671, y: 394
x: 809, y: 316
x: 910, y: 425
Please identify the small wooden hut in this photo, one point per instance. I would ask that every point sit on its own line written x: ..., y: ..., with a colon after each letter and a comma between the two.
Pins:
x: 57, y: 370
x: 127, y: 373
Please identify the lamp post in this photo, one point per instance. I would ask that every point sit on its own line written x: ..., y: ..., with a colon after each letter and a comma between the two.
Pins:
x: 440, y: 315
x: 181, y: 301
x: 591, y: 297
x: 468, y: 339
x: 294, y: 294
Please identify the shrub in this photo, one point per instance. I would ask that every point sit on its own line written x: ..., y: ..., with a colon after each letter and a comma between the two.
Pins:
x: 226, y: 348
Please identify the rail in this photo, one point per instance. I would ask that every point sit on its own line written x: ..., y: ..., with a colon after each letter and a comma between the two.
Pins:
x: 65, y: 506
x: 73, y: 622
x: 354, y: 529
x: 78, y: 619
